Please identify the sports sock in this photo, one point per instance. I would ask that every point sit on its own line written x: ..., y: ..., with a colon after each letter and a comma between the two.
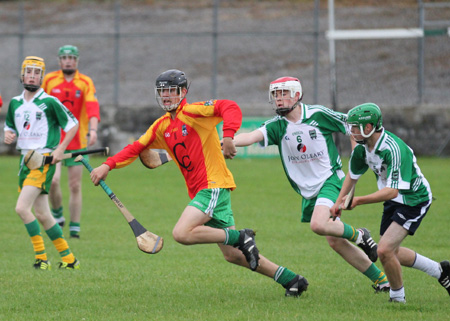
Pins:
x: 57, y: 213
x: 231, y: 236
x: 397, y: 294
x: 74, y: 228
x: 283, y: 275
x: 376, y: 275
x: 350, y: 233
x: 55, y: 234
x: 427, y: 265
x: 34, y: 230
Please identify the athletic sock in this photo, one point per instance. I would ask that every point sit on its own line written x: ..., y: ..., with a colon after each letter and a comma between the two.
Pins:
x: 376, y: 275
x: 34, y: 230
x: 398, y: 294
x: 283, y: 275
x: 58, y: 212
x: 427, y: 265
x: 55, y: 234
x: 231, y: 237
x: 350, y: 233
x: 74, y: 228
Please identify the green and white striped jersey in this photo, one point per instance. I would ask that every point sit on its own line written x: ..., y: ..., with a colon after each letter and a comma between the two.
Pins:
x: 38, y: 123
x: 395, y: 166
x: 307, y: 149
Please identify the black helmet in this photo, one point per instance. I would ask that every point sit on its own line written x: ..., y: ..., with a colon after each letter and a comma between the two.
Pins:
x: 170, y: 79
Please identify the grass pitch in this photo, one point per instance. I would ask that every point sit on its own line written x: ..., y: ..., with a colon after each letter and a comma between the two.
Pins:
x: 119, y: 282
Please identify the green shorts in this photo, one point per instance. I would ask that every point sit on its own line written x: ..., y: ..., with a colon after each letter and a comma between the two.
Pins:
x: 40, y: 178
x: 328, y: 195
x: 71, y: 161
x: 216, y: 203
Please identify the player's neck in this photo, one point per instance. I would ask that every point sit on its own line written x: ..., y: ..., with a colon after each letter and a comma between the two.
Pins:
x: 372, y: 141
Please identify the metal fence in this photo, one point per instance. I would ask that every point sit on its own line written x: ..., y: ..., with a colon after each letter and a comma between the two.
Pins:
x: 230, y: 49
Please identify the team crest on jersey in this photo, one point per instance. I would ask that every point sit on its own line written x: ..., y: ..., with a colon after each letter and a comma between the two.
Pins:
x: 184, y: 131
x: 26, y: 125
x: 208, y: 103
x: 313, y: 134
x: 301, y: 148
x: 78, y: 94
x: 38, y: 115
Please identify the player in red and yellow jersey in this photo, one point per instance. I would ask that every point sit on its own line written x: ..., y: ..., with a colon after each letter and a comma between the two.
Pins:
x: 188, y: 133
x: 77, y: 92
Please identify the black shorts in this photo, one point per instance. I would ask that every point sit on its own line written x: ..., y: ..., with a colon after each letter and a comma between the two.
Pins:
x: 409, y: 217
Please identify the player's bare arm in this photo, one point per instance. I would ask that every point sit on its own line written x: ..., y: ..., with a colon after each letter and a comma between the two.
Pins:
x: 58, y: 153
x: 229, y: 149
x: 382, y: 195
x: 99, y: 173
x: 10, y: 137
x: 246, y: 139
x: 93, y: 126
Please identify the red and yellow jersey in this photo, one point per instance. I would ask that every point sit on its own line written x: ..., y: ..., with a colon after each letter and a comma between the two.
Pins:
x: 192, y: 141
x: 78, y: 96
x: 1, y: 101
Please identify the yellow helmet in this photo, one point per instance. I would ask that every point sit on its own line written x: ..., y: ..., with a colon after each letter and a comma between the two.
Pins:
x: 35, y: 63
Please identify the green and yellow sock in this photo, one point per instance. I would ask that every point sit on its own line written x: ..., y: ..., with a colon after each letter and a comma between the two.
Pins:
x: 231, y: 237
x: 55, y: 234
x: 283, y: 275
x: 34, y: 230
x: 57, y: 213
x: 376, y: 275
x: 350, y: 233
x: 74, y: 228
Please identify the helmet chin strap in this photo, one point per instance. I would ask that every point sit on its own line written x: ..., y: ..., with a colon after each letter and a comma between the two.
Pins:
x: 285, y: 111
x: 31, y: 88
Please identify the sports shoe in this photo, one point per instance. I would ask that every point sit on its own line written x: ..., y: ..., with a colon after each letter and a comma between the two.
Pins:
x: 74, y: 236
x: 75, y: 265
x: 60, y: 220
x: 397, y: 300
x: 381, y: 288
x: 367, y: 244
x: 444, y: 280
x: 248, y: 246
x: 297, y: 286
x: 42, y: 265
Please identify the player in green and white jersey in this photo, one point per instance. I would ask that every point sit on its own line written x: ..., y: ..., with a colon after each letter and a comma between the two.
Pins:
x: 35, y: 119
x: 403, y: 189
x: 303, y: 134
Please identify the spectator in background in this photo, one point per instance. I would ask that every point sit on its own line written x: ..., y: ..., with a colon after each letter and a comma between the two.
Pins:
x: 77, y: 92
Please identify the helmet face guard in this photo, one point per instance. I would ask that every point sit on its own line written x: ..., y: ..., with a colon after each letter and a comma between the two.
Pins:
x: 168, y: 89
x: 30, y: 65
x: 364, y: 114
x: 285, y: 88
x: 69, y: 52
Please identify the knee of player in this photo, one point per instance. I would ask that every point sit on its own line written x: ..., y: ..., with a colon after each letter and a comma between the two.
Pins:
x: 318, y: 227
x: 384, y: 252
x: 180, y: 236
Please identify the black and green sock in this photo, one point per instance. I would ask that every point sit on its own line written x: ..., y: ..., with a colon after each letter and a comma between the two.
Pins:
x: 57, y: 213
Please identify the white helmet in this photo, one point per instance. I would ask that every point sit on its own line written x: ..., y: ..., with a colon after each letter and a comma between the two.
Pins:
x: 285, y: 83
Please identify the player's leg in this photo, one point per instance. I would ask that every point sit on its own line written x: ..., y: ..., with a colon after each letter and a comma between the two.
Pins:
x: 75, y: 174
x: 359, y: 261
x: 293, y: 283
x: 54, y: 232
x: 411, y: 219
x: 388, y: 248
x: 190, y: 229
x: 55, y: 196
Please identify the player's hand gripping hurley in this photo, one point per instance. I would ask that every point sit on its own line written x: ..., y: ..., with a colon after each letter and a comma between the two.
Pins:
x: 147, y: 242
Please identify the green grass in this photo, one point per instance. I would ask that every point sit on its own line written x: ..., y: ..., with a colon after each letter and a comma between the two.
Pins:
x: 119, y: 282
